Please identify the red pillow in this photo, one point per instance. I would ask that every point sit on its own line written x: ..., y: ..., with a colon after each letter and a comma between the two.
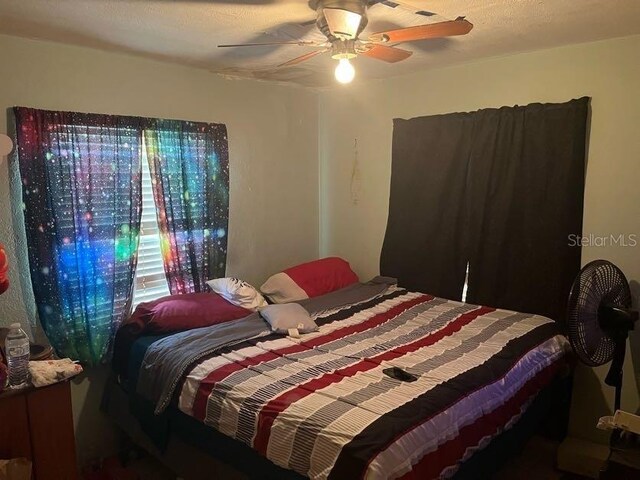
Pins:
x: 183, y: 312
x: 309, y: 280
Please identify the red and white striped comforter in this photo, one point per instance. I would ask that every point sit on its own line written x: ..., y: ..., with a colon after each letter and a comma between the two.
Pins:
x: 320, y: 405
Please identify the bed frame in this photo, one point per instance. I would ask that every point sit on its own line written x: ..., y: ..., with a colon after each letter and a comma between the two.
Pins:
x: 195, y: 451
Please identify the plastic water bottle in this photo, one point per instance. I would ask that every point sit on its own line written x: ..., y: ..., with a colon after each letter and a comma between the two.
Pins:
x: 17, y: 350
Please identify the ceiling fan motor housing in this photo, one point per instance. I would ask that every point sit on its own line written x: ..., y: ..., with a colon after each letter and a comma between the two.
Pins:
x: 358, y: 7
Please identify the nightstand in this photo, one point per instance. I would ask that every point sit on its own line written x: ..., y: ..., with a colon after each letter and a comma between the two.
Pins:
x: 37, y: 423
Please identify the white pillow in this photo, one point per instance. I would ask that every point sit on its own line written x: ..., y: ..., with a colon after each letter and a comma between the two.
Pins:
x: 238, y: 292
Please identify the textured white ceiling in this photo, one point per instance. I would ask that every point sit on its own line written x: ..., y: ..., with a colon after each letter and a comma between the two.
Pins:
x: 188, y: 32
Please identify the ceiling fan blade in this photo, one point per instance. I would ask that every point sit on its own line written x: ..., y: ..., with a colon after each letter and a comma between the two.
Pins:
x: 299, y: 43
x: 342, y: 23
x: 387, y: 54
x: 302, y: 58
x: 459, y: 26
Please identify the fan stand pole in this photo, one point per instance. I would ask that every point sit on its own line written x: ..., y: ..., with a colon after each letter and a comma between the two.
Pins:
x: 614, y: 379
x: 616, y: 402
x: 615, y: 434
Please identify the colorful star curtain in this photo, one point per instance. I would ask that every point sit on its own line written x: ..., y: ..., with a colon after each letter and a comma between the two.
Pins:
x: 81, y: 199
x: 189, y: 165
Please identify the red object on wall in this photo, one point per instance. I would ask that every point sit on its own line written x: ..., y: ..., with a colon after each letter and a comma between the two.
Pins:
x: 4, y: 270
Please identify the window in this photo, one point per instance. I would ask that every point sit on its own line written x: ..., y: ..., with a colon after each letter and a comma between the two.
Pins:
x: 85, y: 213
x: 465, y: 289
x: 150, y: 280
x: 89, y: 213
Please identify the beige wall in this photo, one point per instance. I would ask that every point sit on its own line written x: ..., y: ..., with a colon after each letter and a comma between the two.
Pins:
x: 354, y: 181
x: 273, y: 161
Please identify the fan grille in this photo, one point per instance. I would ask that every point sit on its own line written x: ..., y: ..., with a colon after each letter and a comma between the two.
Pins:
x: 599, y: 282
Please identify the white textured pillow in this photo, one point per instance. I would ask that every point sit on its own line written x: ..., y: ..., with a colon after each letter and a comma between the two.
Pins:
x: 238, y: 292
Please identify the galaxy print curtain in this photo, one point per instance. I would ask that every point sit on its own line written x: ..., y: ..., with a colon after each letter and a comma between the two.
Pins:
x: 82, y: 204
x: 189, y: 165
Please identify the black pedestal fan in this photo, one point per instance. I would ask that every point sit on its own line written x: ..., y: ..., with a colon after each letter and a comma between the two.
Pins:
x: 599, y: 319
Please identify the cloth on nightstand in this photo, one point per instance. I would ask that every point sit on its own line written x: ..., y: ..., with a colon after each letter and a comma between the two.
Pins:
x: 47, y: 372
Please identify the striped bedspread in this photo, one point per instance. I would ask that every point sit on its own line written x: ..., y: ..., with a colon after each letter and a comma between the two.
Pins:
x: 320, y: 405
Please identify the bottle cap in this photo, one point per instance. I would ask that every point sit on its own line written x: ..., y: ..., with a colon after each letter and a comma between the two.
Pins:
x: 15, y: 325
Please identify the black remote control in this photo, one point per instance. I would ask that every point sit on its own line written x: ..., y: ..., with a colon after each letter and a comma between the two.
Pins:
x: 399, y: 374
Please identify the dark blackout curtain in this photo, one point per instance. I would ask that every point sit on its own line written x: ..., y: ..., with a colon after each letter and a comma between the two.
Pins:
x: 499, y: 189
x: 189, y: 165
x: 80, y: 177
x: 424, y: 246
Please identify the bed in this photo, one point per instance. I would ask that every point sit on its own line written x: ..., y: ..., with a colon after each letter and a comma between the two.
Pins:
x: 320, y: 406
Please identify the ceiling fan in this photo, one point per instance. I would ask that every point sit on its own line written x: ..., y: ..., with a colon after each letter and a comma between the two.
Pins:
x: 342, y: 22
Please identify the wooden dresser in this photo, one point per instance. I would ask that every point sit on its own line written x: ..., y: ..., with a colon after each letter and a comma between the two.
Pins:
x: 38, y: 424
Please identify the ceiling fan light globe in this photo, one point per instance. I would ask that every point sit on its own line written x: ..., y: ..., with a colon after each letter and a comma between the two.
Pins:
x: 344, y: 71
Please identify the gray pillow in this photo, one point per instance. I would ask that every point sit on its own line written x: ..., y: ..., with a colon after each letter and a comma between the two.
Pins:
x: 288, y: 319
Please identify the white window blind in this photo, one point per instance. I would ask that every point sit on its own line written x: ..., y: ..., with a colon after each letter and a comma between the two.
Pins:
x: 150, y: 281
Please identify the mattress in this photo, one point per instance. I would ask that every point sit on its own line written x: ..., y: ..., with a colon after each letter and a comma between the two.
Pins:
x: 322, y: 406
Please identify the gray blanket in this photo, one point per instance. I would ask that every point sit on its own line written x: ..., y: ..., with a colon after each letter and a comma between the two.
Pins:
x: 167, y: 360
